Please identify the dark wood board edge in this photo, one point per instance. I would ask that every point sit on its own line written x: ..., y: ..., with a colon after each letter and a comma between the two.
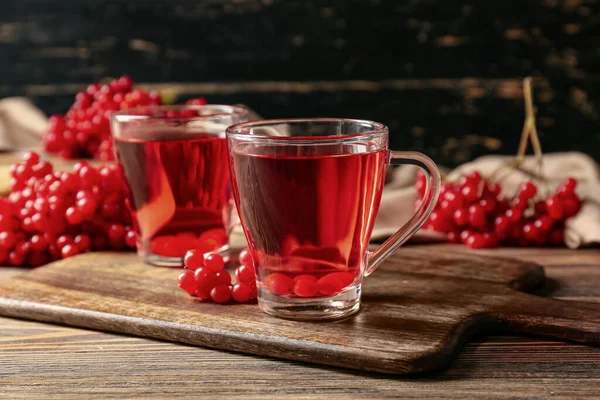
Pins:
x: 532, y: 273
x: 532, y: 280
x: 242, y: 342
x: 567, y: 320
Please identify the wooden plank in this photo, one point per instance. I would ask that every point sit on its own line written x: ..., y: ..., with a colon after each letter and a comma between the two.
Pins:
x: 71, y: 363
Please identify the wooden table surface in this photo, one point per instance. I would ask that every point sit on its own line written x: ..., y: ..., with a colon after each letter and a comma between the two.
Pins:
x: 41, y: 360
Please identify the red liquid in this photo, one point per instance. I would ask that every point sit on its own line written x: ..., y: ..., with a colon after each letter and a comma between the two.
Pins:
x: 177, y: 189
x: 308, y: 215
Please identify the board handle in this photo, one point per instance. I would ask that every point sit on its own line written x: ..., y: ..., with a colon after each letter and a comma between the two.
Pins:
x: 574, y: 321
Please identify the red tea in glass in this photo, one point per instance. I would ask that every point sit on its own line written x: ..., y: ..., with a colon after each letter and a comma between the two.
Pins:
x: 174, y: 161
x: 308, y: 192
x: 317, y: 223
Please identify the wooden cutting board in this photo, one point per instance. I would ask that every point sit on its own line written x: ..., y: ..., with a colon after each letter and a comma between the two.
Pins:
x: 417, y: 309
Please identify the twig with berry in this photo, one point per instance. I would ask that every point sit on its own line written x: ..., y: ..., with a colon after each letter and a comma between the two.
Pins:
x: 51, y: 215
x: 474, y: 212
x: 84, y: 131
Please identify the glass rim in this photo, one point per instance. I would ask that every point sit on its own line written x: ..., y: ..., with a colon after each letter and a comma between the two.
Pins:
x: 379, y: 130
x: 137, y: 113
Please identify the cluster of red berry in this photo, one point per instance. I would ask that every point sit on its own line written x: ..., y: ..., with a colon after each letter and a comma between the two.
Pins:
x: 206, y: 278
x: 51, y: 215
x: 85, y: 129
x: 473, y: 212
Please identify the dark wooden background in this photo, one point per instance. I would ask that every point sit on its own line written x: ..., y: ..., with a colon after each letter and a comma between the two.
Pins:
x: 445, y: 75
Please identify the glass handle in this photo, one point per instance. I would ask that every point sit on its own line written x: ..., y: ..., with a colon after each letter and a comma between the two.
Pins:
x: 432, y: 189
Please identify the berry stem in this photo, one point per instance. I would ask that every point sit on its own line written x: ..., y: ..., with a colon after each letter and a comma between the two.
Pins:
x: 530, y: 120
x: 529, y: 134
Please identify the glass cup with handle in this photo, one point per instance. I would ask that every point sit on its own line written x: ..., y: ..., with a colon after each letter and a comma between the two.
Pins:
x: 307, y: 192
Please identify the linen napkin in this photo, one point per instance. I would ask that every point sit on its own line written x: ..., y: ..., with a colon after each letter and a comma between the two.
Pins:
x: 21, y: 124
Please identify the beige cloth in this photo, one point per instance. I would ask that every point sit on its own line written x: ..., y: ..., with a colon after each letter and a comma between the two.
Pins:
x: 21, y: 124
x: 397, y: 204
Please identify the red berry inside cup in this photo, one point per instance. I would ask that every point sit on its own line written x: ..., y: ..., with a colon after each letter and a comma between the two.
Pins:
x: 279, y: 283
x: 305, y: 286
